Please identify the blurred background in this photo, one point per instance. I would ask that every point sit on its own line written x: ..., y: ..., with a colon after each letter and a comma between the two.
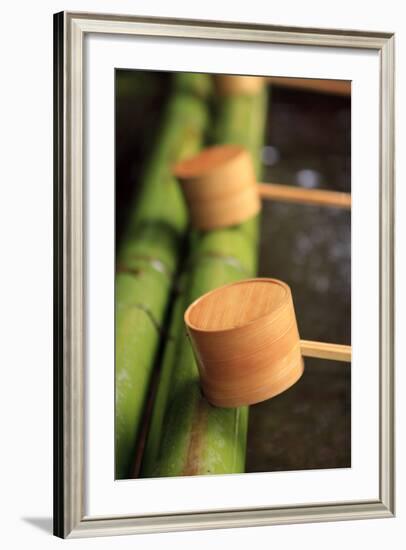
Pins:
x: 307, y: 144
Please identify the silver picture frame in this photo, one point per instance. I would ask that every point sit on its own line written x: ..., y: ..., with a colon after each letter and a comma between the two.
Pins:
x: 70, y: 30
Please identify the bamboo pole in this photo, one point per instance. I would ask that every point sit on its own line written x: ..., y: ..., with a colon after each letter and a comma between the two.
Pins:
x: 289, y: 193
x: 148, y: 258
x: 188, y: 436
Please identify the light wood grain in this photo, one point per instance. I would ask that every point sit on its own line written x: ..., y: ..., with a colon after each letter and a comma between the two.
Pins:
x: 219, y: 186
x: 324, y: 350
x: 246, y: 341
x: 289, y: 193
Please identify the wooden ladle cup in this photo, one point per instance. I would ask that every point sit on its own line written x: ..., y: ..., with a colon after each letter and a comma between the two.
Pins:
x: 239, y: 84
x: 246, y: 341
x: 219, y: 186
x: 220, y: 189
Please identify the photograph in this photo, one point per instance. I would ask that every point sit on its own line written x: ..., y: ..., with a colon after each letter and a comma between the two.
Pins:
x: 223, y: 259
x: 203, y: 352
x: 232, y: 274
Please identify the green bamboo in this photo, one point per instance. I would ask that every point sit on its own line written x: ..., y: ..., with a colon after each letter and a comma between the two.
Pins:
x: 148, y: 258
x: 187, y: 435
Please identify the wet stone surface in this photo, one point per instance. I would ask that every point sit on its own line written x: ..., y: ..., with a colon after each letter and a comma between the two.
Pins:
x: 306, y: 427
x: 308, y: 144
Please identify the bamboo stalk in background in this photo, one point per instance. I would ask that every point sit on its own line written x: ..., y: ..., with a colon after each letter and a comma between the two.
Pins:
x: 188, y: 436
x: 148, y: 257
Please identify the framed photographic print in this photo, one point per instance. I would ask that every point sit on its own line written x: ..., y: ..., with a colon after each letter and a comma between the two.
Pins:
x: 224, y: 199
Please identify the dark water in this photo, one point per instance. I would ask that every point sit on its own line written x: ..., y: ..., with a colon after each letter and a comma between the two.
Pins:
x: 309, y: 247
x: 308, y: 144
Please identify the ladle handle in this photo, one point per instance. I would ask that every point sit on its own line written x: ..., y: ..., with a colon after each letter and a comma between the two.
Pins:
x: 324, y: 350
x: 336, y: 87
x: 289, y: 193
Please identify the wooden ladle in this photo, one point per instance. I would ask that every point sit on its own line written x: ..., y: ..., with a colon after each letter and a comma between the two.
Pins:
x: 220, y: 188
x: 246, y: 342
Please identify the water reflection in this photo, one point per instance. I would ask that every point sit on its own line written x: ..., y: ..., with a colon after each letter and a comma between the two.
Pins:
x: 270, y: 155
x: 308, y: 178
